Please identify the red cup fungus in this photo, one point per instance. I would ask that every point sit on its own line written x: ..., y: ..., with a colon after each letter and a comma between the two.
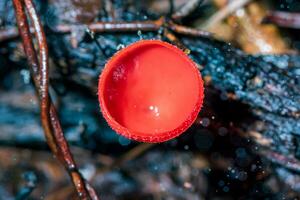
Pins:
x: 150, y: 91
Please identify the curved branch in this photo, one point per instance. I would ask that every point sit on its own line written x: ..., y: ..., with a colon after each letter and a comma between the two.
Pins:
x: 39, y: 71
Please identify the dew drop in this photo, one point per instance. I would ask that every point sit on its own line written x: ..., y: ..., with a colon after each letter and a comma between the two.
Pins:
x: 140, y: 34
x: 120, y: 46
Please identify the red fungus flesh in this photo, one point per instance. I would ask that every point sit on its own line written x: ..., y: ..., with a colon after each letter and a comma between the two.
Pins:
x: 150, y: 91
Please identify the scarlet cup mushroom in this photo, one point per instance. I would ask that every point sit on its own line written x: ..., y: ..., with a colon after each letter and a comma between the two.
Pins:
x: 150, y: 91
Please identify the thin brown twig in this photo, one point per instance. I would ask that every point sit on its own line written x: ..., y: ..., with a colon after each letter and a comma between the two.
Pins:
x: 100, y: 27
x: 39, y: 69
x: 133, y: 153
x: 187, y: 31
x: 108, y: 27
x: 129, y: 155
x: 173, y: 39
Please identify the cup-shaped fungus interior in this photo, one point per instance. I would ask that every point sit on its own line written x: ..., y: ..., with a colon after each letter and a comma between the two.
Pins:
x: 151, y: 88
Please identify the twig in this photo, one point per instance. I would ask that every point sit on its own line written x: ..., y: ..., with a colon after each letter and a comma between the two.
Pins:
x: 130, y: 155
x: 173, y: 39
x: 109, y: 27
x: 224, y: 12
x: 133, y: 153
x: 135, y: 26
x: 100, y: 27
x: 183, y: 30
x: 283, y: 19
x: 39, y: 71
